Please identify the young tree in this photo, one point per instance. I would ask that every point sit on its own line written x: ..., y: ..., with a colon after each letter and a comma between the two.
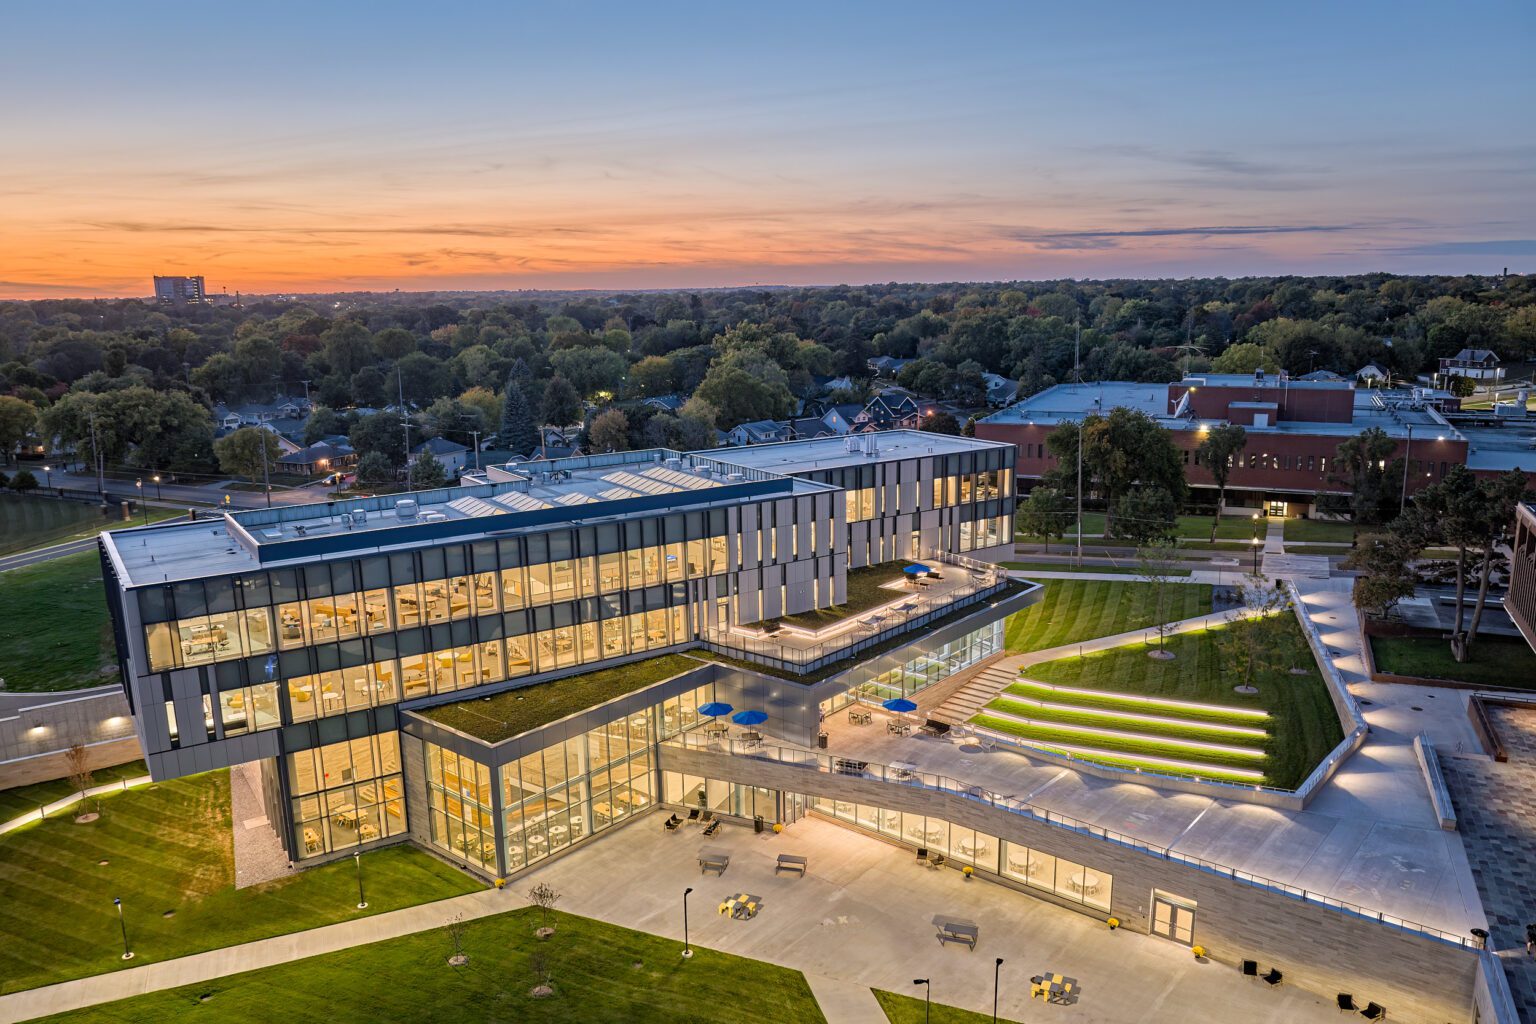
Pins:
x: 1217, y: 451
x: 1250, y: 642
x: 1046, y: 513
x: 544, y: 897
x: 250, y: 452
x: 610, y: 431
x: 77, y: 761
x: 1156, y: 566
x: 454, y: 928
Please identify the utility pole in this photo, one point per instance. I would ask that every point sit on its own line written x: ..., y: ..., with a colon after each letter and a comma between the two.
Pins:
x: 101, y: 486
x: 1402, y: 501
x: 476, y: 435
x: 266, y: 479
x: 1077, y: 371
x: 306, y: 391
x: 405, y: 424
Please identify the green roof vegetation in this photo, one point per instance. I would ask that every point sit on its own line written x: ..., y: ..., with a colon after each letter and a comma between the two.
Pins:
x: 1073, y: 610
x: 167, y: 850
x: 866, y: 589
x: 514, y: 712
x: 598, y: 972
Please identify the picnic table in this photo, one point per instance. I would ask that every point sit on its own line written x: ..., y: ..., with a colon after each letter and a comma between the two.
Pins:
x: 954, y: 931
x: 1053, y: 988
x: 741, y: 906
x: 903, y: 770
x: 712, y: 860
x: 859, y: 716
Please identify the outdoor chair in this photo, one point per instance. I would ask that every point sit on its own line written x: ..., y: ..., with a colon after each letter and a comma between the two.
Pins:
x: 712, y: 827
x: 1347, y: 1003
x: 1274, y: 977
x: 1250, y: 968
x: 1374, y: 1011
x: 672, y: 823
x: 693, y: 815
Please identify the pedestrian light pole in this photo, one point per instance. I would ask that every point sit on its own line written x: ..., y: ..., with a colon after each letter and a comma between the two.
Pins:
x: 156, y: 478
x: 139, y: 483
x: 997, y: 972
x: 687, y: 950
x: 927, y: 997
x: 118, y: 903
x: 362, y: 904
x: 1255, y: 543
x: 48, y: 477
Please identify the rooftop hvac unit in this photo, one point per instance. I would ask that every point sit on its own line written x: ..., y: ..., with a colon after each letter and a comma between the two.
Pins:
x: 675, y: 464
x: 704, y: 471
x: 737, y: 478
x: 406, y: 508
x: 851, y: 442
x: 360, y: 516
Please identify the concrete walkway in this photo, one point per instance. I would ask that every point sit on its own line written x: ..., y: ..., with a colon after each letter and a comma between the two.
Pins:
x: 845, y: 1002
x: 250, y: 956
x: 1274, y: 537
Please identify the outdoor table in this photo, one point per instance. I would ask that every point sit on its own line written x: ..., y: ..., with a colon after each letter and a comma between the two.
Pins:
x: 1047, y: 985
x: 859, y: 716
x: 903, y: 770
x: 741, y: 906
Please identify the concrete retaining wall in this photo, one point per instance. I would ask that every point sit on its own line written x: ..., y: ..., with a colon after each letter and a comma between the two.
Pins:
x: 34, y: 735
x: 1323, y: 949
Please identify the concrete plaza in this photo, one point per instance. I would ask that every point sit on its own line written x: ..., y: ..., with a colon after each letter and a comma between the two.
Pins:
x: 864, y: 915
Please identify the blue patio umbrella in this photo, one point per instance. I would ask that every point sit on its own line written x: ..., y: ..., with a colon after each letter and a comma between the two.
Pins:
x: 899, y: 704
x: 715, y: 709
x: 917, y: 569
x: 750, y: 717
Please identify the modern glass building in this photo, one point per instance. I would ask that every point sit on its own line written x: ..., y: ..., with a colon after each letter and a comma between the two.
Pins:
x: 346, y: 647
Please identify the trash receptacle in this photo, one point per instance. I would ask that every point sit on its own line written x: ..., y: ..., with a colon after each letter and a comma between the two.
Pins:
x: 821, y: 740
x: 757, y: 823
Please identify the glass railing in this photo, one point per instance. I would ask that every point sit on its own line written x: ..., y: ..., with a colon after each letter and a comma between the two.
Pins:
x: 916, y: 777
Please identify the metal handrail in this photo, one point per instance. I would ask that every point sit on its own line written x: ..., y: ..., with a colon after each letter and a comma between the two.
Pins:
x: 833, y: 764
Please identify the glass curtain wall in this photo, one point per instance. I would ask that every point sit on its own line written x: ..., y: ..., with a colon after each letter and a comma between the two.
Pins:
x: 877, y: 683
x: 347, y: 793
x: 459, y: 792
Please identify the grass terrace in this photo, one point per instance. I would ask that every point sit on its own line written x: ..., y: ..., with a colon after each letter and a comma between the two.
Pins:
x: 1495, y: 661
x: 1074, y: 610
x: 1097, y: 706
x: 18, y: 801
x: 167, y: 850
x: 1318, y: 531
x: 514, y: 712
x: 54, y: 630
x: 1109, y: 570
x: 867, y: 588
x: 599, y: 973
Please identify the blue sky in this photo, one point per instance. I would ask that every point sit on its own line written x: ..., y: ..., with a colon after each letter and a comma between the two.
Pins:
x: 287, y: 147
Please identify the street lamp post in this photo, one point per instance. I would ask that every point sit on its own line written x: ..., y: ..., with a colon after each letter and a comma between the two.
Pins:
x: 1402, y: 500
x: 687, y: 950
x: 1255, y: 543
x: 357, y: 858
x: 139, y: 483
x: 156, y: 478
x: 48, y: 477
x: 123, y: 925
x: 927, y: 996
x: 997, y: 971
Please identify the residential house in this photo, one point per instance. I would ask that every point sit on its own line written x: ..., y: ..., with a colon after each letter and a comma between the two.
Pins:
x: 887, y: 366
x: 1372, y: 375
x: 667, y: 403
x: 1321, y: 375
x: 1478, y: 364
x: 452, y: 455
x: 321, y: 457
x: 757, y: 432
x: 1000, y: 390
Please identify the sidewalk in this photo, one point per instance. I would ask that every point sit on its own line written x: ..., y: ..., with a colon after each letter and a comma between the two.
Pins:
x: 845, y: 1002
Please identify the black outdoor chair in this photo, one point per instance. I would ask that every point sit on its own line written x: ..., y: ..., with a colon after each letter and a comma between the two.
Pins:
x: 1274, y: 977
x: 712, y: 827
x: 693, y: 815
x: 1250, y: 968
x: 922, y: 854
x: 1347, y: 1003
x: 672, y: 823
x: 1374, y: 1011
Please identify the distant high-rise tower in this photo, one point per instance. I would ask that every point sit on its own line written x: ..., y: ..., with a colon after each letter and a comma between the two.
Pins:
x: 179, y: 291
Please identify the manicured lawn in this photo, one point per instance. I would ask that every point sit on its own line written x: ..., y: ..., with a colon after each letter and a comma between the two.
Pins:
x: 1229, y: 527
x: 1117, y: 570
x: 1134, y: 746
x: 1495, y: 662
x: 1176, y: 726
x: 1074, y: 610
x: 54, y: 630
x: 514, y: 712
x: 901, y: 1009
x: 1031, y: 690
x: 599, y: 972
x: 18, y: 801
x: 866, y: 590
x: 168, y: 847
x: 1303, y: 725
x: 1315, y: 549
x: 27, y: 521
x: 1318, y: 530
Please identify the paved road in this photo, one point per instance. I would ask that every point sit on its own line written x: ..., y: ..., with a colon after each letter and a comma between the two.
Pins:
x: 36, y: 555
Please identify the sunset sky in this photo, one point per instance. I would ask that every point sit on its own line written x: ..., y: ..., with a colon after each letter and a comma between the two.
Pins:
x: 309, y: 147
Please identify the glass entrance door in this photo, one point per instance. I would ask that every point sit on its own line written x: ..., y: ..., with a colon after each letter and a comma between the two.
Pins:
x: 1173, y: 918
x: 1277, y: 509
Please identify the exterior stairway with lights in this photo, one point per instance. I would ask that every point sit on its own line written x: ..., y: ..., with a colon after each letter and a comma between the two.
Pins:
x: 982, y: 689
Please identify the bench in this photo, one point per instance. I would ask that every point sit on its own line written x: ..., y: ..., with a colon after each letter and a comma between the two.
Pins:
x: 952, y: 932
x: 716, y: 862
x: 790, y: 862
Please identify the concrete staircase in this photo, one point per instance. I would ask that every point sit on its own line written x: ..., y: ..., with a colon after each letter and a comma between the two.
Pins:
x: 975, y: 694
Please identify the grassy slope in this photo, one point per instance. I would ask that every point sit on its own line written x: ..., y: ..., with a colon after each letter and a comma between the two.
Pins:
x: 168, y: 847
x: 1111, y: 702
x: 900, y: 1009
x: 1074, y: 610
x: 1189, y: 729
x: 14, y: 802
x: 1303, y: 725
x: 600, y: 973
x: 1114, y: 570
x: 54, y: 629
x: 1494, y: 662
x: 30, y: 522
x: 1150, y: 746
